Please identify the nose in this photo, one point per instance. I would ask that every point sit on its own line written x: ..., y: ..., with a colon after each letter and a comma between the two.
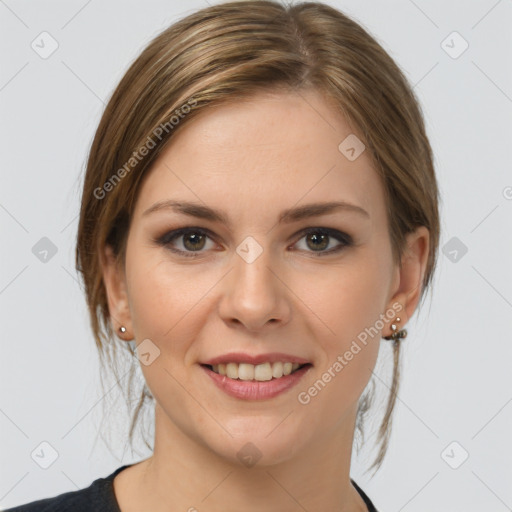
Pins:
x: 254, y: 295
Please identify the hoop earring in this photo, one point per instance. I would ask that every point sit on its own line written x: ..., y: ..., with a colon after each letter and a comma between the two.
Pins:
x: 396, y: 335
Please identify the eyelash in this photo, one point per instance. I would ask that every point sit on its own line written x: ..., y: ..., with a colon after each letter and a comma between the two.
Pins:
x: 167, y: 238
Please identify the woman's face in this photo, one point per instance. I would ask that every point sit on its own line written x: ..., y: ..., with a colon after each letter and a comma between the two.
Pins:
x: 262, y: 285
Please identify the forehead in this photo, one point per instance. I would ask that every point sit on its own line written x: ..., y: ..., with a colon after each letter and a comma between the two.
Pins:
x: 264, y: 153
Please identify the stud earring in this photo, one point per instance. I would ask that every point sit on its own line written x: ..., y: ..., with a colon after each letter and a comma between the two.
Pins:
x: 122, y: 329
x: 396, y: 335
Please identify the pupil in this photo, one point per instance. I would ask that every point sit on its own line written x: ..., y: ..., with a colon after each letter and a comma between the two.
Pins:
x: 317, y: 238
x: 197, y: 240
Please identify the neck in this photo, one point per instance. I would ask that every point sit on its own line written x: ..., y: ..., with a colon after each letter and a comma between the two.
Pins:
x: 184, y: 475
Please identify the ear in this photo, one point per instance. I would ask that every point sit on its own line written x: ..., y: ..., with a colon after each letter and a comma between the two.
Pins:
x: 409, y: 278
x: 114, y: 279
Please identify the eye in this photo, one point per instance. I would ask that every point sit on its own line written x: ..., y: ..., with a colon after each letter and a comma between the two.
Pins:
x: 190, y: 241
x: 320, y: 239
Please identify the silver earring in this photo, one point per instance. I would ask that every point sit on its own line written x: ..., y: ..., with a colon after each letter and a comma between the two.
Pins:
x: 396, y: 335
x: 122, y: 329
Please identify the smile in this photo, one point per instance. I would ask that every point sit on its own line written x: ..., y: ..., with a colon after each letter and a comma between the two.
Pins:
x: 256, y: 382
x: 260, y: 372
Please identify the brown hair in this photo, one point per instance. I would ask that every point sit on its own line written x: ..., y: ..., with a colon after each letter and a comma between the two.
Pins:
x: 221, y: 54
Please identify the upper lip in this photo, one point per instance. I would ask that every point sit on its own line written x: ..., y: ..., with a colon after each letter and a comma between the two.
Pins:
x: 240, y: 357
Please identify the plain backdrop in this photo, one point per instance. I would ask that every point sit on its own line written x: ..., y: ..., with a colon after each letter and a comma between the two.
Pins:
x: 451, y: 447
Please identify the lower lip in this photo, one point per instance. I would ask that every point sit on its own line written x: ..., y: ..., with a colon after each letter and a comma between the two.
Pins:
x: 256, y: 390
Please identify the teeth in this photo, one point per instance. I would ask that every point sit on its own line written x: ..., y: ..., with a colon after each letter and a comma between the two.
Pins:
x: 263, y: 372
x: 232, y: 370
x: 277, y: 370
x: 260, y: 372
x: 246, y: 371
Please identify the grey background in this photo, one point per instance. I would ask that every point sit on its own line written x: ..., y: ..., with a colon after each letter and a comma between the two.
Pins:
x: 456, y: 384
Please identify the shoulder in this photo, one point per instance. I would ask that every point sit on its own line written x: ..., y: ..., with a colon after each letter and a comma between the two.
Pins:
x: 366, y: 499
x: 76, y: 500
x: 98, y: 497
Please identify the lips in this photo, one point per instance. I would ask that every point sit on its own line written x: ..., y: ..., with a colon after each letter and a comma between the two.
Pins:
x: 254, y: 389
x: 256, y: 377
x: 239, y: 357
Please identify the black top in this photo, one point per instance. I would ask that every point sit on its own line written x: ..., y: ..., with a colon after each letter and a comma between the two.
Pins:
x: 100, y: 497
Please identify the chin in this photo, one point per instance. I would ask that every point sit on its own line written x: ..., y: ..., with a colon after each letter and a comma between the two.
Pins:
x: 262, y: 445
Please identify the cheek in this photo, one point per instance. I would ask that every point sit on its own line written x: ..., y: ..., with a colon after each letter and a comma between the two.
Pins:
x: 165, y: 304
x: 349, y: 297
x: 154, y: 304
x: 163, y: 296
x: 350, y: 304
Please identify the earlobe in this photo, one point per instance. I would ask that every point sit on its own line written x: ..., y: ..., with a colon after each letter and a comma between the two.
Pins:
x: 114, y: 281
x: 411, y: 275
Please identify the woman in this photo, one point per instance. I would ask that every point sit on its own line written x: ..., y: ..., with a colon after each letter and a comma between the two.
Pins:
x: 259, y: 209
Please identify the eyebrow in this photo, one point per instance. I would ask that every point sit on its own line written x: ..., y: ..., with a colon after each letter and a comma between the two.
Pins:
x: 287, y: 216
